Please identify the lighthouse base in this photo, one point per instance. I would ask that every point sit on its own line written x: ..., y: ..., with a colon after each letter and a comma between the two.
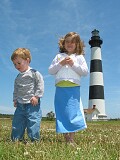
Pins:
x: 96, y: 110
x: 102, y: 117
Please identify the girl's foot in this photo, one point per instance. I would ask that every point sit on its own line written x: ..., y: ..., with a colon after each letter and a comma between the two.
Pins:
x: 72, y: 143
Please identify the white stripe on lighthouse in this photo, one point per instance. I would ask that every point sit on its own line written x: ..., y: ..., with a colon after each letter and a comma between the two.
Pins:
x: 96, y: 78
x: 96, y: 53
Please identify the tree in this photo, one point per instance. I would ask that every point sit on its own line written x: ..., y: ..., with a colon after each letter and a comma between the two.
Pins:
x: 50, y: 115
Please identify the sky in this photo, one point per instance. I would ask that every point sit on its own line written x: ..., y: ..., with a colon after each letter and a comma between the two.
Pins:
x: 38, y: 25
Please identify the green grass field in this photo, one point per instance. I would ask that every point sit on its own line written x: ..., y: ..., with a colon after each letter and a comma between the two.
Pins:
x: 100, y: 141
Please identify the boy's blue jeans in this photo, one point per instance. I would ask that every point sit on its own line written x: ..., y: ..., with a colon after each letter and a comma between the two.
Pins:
x: 26, y: 116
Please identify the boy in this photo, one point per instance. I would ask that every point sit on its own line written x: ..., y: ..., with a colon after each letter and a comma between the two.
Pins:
x: 28, y: 89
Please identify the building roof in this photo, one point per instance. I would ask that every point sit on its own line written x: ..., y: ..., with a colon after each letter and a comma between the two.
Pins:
x: 91, y: 110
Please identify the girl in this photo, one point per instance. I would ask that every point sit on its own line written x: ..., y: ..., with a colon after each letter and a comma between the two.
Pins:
x: 68, y: 66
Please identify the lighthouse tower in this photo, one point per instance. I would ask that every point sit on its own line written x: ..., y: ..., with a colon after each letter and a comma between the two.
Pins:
x: 96, y: 88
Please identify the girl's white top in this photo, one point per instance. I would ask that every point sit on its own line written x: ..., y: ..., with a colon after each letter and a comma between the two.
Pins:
x: 68, y: 73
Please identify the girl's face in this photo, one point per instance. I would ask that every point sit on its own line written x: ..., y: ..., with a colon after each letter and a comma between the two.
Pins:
x: 21, y: 64
x: 70, y: 45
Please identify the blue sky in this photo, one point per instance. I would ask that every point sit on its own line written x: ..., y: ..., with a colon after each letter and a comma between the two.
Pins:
x: 38, y: 25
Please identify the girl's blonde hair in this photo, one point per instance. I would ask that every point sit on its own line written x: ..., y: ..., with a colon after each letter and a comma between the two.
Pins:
x: 23, y: 53
x: 75, y: 38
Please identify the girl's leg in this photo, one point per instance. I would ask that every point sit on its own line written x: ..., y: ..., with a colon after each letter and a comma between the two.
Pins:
x: 67, y: 137
x: 72, y: 134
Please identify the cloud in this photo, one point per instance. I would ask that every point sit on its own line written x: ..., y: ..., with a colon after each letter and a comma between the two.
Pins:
x: 7, y: 110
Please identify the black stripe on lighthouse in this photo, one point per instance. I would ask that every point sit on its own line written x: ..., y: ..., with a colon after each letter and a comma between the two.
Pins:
x: 96, y: 92
x: 95, y: 42
x: 96, y: 66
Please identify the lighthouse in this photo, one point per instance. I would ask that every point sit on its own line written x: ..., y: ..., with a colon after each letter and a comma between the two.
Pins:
x: 96, y: 87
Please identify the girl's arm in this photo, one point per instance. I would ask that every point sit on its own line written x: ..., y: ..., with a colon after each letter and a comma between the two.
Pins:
x: 80, y: 66
x: 55, y: 66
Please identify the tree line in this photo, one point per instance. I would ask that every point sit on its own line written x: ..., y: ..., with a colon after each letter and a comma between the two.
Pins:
x: 49, y: 116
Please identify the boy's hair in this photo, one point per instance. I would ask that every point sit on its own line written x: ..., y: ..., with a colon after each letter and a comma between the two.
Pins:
x: 75, y: 38
x: 22, y: 53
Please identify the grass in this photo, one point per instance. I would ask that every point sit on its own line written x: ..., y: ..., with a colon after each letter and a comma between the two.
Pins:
x: 100, y: 141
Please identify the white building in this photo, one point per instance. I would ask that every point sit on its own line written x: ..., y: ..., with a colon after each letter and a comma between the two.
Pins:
x: 91, y: 114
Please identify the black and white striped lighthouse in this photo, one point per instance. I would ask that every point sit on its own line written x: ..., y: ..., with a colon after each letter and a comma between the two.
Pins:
x: 96, y: 88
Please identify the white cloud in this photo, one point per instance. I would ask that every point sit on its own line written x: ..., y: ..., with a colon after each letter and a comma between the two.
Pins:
x: 7, y: 110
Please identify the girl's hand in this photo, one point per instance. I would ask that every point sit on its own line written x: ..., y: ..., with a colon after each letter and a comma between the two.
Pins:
x: 63, y: 62
x: 69, y: 61
x: 34, y: 101
x: 66, y: 61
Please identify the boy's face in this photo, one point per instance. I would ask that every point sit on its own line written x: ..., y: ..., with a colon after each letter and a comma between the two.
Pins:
x: 21, y: 64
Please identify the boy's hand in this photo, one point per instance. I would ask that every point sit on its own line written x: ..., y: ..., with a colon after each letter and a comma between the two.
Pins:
x: 34, y: 101
x: 15, y: 103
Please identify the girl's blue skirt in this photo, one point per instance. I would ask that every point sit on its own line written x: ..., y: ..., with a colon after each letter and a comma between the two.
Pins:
x: 69, y: 110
